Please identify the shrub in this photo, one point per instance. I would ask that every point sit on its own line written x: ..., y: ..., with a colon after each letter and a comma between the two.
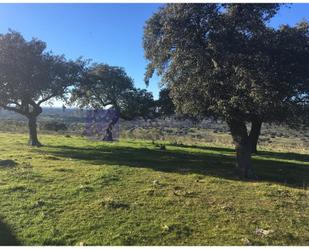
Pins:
x: 54, y: 126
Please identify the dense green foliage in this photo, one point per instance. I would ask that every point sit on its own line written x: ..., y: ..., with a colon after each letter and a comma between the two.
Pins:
x: 30, y: 76
x: 165, y: 104
x: 225, y: 61
x: 106, y: 86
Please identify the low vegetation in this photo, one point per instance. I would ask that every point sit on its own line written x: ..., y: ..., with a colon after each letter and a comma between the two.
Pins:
x: 75, y: 191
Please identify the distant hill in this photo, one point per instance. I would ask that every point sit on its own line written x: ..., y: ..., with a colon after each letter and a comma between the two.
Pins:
x: 68, y: 115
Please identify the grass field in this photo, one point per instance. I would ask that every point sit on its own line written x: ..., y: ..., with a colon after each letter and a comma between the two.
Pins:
x: 74, y: 191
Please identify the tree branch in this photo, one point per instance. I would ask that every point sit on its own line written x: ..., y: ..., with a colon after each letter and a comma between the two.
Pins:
x: 47, y: 98
x: 99, y: 98
x: 51, y: 96
x: 15, y: 103
x: 13, y: 109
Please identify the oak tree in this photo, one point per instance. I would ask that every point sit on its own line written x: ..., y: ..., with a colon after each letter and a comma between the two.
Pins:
x: 30, y: 76
x: 225, y: 61
x: 109, y: 87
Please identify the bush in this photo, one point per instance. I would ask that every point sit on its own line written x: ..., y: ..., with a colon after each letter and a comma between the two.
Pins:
x: 55, y: 126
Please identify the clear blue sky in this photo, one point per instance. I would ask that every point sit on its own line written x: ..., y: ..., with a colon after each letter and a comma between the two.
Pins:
x: 108, y: 33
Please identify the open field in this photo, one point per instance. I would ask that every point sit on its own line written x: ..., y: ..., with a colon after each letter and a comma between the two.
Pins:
x: 76, y: 191
x: 158, y: 124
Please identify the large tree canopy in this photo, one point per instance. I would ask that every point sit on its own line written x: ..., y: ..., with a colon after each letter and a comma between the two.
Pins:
x: 225, y: 61
x: 105, y: 86
x: 29, y: 76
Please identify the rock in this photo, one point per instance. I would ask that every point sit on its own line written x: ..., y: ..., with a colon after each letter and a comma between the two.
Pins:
x: 155, y: 182
x: 165, y: 228
x: 246, y: 241
x: 263, y: 232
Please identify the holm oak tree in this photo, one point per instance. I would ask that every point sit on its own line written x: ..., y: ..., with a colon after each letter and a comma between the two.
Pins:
x: 225, y: 61
x: 104, y: 87
x: 29, y: 77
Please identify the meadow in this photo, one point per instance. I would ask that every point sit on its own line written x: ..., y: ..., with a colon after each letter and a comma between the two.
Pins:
x: 76, y: 191
x: 167, y: 176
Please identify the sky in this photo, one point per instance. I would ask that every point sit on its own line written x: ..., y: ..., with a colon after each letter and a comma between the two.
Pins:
x: 105, y: 33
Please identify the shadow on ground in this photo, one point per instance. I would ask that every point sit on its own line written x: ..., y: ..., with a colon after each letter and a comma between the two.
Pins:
x: 7, y: 238
x: 211, y: 161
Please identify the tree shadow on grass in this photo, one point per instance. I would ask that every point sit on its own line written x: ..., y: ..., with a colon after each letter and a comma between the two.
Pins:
x: 213, y: 161
x: 265, y: 154
x: 7, y: 237
x: 285, y: 155
x: 205, y: 147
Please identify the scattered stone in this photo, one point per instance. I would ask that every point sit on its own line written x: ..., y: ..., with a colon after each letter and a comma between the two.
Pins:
x: 246, y: 242
x: 82, y: 243
x: 263, y: 232
x: 155, y: 182
x: 165, y: 228
x: 179, y: 230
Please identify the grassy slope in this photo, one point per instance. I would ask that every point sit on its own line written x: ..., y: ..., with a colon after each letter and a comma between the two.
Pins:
x: 76, y: 191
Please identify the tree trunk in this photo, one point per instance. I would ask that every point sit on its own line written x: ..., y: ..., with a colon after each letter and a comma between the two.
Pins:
x: 243, y: 156
x: 254, y: 134
x: 33, y: 136
x: 109, y: 131
x: 243, y: 147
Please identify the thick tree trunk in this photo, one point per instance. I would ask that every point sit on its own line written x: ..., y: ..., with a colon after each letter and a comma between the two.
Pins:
x: 33, y: 135
x: 242, y: 146
x: 243, y: 156
x: 109, y: 131
x: 254, y: 134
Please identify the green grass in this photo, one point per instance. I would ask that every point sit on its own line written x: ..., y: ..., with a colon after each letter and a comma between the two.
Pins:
x: 74, y: 191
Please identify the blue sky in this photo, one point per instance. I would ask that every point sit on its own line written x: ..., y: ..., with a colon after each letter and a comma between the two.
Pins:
x: 107, y: 33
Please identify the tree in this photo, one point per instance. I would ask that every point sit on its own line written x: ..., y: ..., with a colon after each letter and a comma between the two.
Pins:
x: 138, y: 103
x: 165, y: 104
x: 224, y: 61
x: 29, y: 77
x: 104, y: 87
